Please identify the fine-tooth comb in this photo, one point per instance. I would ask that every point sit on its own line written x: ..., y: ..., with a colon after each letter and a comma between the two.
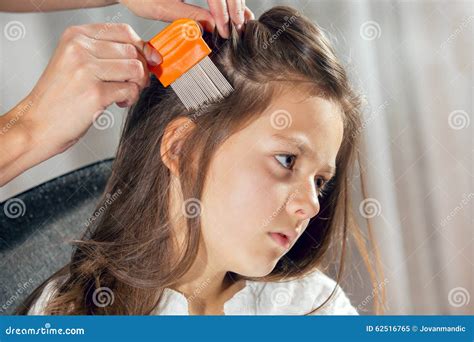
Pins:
x: 186, y: 65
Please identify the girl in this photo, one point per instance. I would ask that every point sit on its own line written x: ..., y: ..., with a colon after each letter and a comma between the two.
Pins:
x: 234, y: 208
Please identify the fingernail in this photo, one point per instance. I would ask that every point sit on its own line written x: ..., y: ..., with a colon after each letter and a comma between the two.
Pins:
x: 156, y: 57
x: 225, y: 31
x: 239, y: 27
x: 153, y: 56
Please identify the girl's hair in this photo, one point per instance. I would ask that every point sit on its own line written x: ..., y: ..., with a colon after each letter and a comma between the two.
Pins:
x: 128, y: 249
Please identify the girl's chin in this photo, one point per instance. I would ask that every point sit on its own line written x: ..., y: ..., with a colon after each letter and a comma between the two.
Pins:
x: 259, y: 269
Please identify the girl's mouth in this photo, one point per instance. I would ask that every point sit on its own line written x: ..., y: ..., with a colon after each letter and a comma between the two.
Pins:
x: 280, y: 239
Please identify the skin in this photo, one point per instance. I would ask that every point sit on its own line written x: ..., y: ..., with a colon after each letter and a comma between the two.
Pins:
x: 219, y: 14
x: 93, y: 67
x: 88, y: 72
x: 249, y: 193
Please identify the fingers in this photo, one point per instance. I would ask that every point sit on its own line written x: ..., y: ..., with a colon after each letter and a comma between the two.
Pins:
x: 177, y: 9
x: 122, y: 70
x: 104, y: 49
x: 152, y: 56
x: 118, y: 33
x: 236, y: 10
x: 117, y: 41
x: 119, y: 62
x: 220, y: 13
x: 115, y: 60
x: 123, y: 93
x: 146, y: 73
x: 248, y: 14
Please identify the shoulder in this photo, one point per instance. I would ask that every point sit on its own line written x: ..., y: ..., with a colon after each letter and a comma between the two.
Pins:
x: 302, y: 295
x: 38, y: 306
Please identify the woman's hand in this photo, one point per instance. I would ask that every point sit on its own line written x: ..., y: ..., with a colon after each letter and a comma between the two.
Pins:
x: 219, y: 13
x: 93, y: 66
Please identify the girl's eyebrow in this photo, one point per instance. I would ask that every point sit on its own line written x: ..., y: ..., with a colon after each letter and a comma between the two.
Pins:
x: 302, y: 145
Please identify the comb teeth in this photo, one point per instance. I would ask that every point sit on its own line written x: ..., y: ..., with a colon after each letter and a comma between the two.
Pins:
x: 201, y: 84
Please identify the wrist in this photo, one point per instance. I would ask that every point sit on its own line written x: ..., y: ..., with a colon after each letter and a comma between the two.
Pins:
x: 14, y: 125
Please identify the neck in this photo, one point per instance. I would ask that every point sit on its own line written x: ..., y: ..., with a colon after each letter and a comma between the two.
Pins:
x: 204, y: 282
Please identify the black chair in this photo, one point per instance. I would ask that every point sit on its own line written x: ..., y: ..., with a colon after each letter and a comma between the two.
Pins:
x: 37, y: 225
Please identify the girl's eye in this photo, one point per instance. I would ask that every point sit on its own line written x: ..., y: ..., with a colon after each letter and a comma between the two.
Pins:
x: 285, y: 159
x: 323, y: 186
x: 320, y: 182
x: 288, y: 162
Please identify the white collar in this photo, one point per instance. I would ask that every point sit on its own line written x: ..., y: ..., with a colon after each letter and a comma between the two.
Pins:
x: 289, y: 297
x: 175, y: 303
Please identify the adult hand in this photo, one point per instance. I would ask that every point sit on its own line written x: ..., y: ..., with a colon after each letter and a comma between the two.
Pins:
x: 93, y: 66
x: 219, y: 13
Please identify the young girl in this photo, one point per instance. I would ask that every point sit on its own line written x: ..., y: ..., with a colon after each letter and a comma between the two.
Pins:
x: 231, y: 209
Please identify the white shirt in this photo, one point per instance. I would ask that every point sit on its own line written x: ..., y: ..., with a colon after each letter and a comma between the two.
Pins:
x: 291, y: 297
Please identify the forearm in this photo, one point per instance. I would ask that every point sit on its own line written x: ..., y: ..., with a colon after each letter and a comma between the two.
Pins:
x: 19, y: 149
x: 50, y: 5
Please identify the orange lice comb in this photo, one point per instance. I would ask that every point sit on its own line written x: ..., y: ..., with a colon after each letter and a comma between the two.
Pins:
x: 186, y: 65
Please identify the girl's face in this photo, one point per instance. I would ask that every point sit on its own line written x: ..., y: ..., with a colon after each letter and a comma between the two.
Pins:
x: 266, y: 179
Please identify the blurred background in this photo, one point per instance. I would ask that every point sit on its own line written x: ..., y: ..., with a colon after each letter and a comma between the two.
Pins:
x: 413, y: 62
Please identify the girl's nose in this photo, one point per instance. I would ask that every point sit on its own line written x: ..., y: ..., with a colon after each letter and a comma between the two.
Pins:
x: 303, y: 203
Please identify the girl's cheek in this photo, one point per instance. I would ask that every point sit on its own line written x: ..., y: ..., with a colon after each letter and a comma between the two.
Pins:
x: 253, y: 194
x: 275, y: 188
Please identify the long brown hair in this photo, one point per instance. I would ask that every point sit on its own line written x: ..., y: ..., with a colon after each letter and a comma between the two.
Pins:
x: 128, y: 247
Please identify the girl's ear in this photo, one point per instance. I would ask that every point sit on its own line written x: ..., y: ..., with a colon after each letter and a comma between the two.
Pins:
x: 173, y: 137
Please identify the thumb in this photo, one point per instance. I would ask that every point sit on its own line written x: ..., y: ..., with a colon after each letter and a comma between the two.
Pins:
x: 152, y: 56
